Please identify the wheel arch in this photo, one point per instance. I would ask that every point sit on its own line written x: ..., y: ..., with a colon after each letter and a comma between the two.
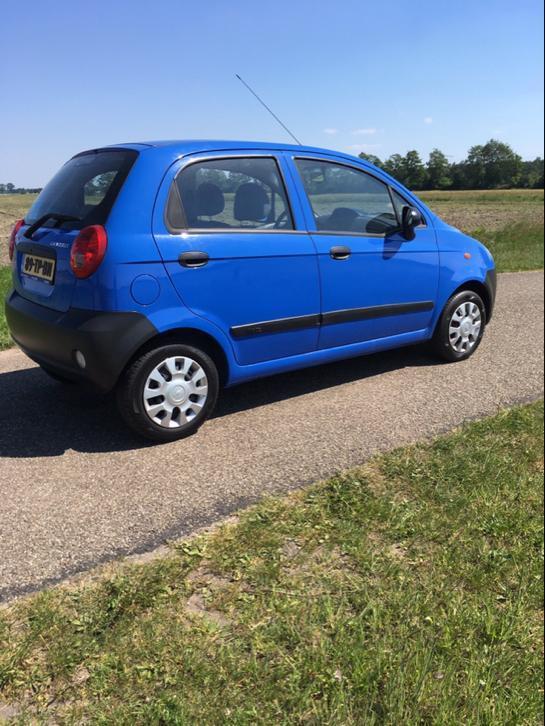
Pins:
x: 481, y: 289
x: 190, y: 336
x: 474, y: 285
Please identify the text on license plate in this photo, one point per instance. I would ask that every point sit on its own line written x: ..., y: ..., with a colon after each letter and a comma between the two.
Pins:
x: 42, y: 267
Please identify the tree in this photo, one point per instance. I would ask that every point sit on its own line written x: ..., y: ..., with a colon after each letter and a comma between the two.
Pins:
x: 372, y: 159
x: 409, y: 169
x: 439, y: 171
x: 493, y: 165
x: 395, y: 167
x: 10, y: 187
x: 532, y: 174
x: 415, y: 171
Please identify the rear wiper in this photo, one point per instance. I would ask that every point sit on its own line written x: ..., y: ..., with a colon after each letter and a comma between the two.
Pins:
x: 59, y: 218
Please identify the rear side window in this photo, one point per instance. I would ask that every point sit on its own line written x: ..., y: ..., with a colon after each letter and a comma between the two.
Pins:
x: 235, y: 193
x: 344, y: 199
x: 86, y: 188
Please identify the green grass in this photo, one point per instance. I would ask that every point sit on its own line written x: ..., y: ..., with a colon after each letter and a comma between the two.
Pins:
x: 516, y: 247
x: 408, y: 591
x: 5, y: 284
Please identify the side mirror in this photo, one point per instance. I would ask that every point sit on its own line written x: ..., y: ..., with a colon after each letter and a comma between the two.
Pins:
x: 410, y: 220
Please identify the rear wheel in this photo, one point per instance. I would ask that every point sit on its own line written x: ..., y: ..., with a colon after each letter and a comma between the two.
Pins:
x: 461, y: 327
x: 169, y: 392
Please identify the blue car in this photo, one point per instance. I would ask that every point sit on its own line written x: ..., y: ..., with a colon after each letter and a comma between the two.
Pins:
x: 166, y: 270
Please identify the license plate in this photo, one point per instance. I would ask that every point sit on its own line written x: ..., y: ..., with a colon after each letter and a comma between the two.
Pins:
x: 40, y: 267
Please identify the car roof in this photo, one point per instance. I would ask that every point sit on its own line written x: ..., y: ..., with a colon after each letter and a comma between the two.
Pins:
x: 194, y: 146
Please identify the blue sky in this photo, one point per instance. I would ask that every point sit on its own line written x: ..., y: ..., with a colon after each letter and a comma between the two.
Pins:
x: 353, y: 75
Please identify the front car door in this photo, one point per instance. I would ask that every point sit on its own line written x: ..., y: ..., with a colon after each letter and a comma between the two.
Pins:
x: 231, y: 248
x: 375, y: 284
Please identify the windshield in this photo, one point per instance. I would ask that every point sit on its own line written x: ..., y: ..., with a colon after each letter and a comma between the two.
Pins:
x: 84, y: 189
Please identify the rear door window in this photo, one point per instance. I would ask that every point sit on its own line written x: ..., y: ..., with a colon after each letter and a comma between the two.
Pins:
x: 86, y: 188
x: 229, y: 193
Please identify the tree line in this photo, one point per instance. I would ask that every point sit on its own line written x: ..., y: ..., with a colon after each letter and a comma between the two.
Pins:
x: 493, y: 165
x: 10, y: 188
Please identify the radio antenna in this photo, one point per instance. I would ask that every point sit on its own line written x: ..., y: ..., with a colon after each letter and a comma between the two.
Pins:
x: 293, y: 136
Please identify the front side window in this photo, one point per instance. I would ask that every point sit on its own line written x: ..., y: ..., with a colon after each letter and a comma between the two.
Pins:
x: 399, y: 203
x: 344, y: 199
x: 236, y: 193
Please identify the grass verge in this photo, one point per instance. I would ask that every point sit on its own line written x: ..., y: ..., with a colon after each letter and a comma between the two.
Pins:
x: 408, y: 591
x: 5, y: 283
x: 516, y: 247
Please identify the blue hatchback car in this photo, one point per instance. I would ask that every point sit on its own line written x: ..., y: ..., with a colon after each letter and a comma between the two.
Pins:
x: 166, y: 270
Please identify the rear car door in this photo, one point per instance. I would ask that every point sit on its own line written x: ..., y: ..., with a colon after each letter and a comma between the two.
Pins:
x: 375, y: 284
x: 234, y: 245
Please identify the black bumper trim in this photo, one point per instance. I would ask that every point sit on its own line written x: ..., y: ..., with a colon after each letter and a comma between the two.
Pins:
x: 108, y: 340
x: 491, y: 285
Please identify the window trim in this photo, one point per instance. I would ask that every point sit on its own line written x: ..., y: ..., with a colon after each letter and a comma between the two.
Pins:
x: 374, y: 235
x: 228, y: 230
x: 408, y: 204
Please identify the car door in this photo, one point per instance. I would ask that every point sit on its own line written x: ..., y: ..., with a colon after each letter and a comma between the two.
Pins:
x: 375, y: 284
x: 231, y: 246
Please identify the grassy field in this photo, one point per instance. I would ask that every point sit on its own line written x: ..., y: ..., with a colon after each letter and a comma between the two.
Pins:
x: 509, y: 222
x: 408, y: 591
x: 12, y: 207
x: 5, y: 283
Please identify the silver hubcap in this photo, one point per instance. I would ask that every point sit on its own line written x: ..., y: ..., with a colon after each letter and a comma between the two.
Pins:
x: 465, y: 327
x: 175, y: 392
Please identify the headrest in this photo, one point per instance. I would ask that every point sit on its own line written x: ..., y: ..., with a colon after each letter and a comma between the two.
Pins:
x: 209, y: 200
x: 342, y: 219
x: 250, y: 203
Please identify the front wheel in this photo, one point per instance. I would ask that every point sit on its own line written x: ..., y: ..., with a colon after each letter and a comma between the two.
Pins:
x: 461, y: 327
x: 169, y: 392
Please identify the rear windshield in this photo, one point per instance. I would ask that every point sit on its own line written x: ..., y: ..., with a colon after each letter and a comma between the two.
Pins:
x: 86, y: 188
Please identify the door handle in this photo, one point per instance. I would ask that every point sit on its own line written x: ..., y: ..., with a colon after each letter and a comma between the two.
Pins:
x: 193, y: 259
x: 340, y: 252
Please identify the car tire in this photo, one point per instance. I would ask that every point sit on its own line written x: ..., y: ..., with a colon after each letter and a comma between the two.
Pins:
x: 167, y: 393
x: 460, y: 329
x: 58, y: 377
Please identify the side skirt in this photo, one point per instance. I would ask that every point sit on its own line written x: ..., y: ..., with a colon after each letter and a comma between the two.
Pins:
x: 242, y: 374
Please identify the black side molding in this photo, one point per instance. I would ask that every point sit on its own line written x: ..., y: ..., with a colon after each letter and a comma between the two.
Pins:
x: 285, y: 325
x: 376, y: 311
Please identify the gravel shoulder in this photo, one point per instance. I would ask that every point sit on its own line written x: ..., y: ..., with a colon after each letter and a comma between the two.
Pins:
x: 77, y: 490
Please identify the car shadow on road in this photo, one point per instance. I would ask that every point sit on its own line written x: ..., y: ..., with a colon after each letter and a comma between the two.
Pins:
x: 41, y: 418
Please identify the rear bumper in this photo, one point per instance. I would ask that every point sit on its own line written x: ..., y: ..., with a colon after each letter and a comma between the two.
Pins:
x: 50, y: 338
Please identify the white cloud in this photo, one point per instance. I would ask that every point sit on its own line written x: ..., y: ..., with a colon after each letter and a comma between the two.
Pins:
x: 364, y: 147
x: 364, y: 132
x: 428, y: 120
x: 331, y: 132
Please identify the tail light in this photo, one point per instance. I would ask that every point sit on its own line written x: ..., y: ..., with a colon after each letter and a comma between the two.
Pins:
x: 18, y: 224
x: 88, y: 251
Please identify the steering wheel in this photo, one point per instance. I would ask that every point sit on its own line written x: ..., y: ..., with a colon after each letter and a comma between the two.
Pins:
x: 282, y: 219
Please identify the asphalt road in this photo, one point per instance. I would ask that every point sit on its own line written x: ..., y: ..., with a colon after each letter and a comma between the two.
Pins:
x: 76, y: 489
